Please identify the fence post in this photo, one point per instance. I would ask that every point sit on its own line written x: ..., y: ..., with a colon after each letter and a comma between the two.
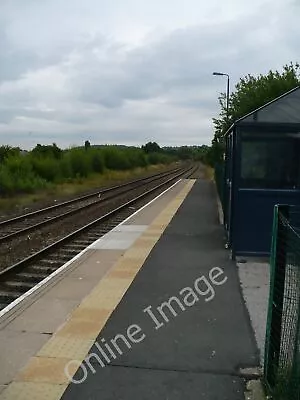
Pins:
x: 278, y: 267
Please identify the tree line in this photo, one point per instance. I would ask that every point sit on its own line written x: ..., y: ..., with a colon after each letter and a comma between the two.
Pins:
x: 27, y: 171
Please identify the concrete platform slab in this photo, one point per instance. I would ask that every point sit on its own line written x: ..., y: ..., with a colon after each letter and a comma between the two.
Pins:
x: 33, y: 391
x: 255, y: 282
x: 61, y: 347
x: 2, y: 387
x: 116, y: 240
x: 148, y: 214
x: 117, y: 244
x: 84, y: 329
x: 16, y: 348
x: 45, y: 370
x: 45, y: 315
x: 128, y: 227
x: 72, y: 288
x: 96, y: 263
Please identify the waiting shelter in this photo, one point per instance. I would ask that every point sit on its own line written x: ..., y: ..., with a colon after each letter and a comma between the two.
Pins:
x: 262, y: 169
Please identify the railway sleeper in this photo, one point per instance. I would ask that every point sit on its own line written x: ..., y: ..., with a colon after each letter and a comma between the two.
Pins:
x: 93, y: 238
x: 84, y: 242
x: 50, y: 261
x: 33, y: 277
x: 47, y: 269
x: 64, y: 257
x: 68, y: 251
x: 19, y: 284
x: 7, y: 296
x: 75, y: 246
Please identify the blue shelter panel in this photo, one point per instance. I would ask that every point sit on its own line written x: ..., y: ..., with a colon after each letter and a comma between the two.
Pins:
x: 253, y: 216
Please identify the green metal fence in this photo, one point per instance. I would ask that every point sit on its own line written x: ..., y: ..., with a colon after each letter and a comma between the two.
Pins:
x: 282, y: 350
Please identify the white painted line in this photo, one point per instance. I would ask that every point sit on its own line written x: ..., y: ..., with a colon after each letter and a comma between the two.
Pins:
x: 63, y: 267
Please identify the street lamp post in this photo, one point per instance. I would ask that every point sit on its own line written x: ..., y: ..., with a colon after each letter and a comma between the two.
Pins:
x: 226, y: 182
x: 227, y: 95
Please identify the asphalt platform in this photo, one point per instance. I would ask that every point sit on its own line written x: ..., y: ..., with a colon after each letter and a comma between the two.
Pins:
x: 195, y: 351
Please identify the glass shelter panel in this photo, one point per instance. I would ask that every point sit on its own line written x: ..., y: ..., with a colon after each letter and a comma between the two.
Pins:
x: 270, y: 162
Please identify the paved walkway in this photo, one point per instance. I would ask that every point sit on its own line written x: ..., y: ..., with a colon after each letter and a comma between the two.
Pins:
x: 193, y: 349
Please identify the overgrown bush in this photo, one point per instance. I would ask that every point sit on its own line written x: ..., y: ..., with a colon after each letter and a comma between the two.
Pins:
x: 97, y: 161
x: 46, y: 168
x: 47, y: 164
x: 137, y: 157
x: 17, y: 175
x: 115, y: 159
x: 80, y: 162
x: 158, y: 158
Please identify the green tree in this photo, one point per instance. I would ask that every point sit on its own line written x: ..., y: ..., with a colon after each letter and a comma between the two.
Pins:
x: 8, y: 151
x: 250, y: 93
x: 47, y: 151
x: 87, y: 145
x: 151, y: 147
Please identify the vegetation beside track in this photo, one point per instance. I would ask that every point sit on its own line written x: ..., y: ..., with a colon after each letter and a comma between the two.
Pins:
x: 77, y: 186
x: 48, y: 173
x: 48, y: 165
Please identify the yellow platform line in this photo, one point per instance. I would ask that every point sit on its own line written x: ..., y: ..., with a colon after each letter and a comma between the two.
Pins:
x: 44, y: 375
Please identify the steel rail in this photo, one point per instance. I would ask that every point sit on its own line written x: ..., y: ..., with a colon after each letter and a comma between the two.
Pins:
x: 54, y: 246
x: 48, y: 221
x: 77, y: 199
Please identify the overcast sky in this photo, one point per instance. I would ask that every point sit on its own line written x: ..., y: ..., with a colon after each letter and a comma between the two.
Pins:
x: 131, y: 71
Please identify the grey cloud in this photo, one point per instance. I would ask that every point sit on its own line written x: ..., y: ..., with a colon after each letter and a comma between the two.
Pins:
x: 16, y: 59
x: 185, y: 59
x: 13, y: 62
x: 157, y: 90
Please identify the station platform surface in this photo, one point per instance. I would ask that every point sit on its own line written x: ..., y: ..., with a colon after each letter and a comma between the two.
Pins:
x: 152, y: 310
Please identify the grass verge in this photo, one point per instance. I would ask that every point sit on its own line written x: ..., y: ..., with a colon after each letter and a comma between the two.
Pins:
x: 209, y: 173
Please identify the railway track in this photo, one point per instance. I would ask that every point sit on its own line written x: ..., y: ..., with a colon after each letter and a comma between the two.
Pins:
x: 22, y: 276
x: 26, y: 223
x: 36, y: 233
